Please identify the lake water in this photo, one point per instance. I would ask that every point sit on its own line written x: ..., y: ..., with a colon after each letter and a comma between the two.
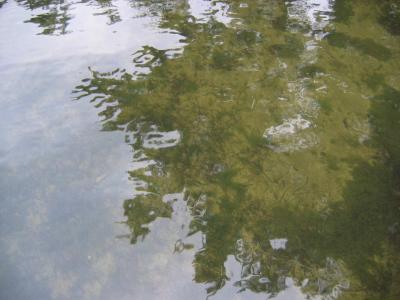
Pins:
x: 193, y: 149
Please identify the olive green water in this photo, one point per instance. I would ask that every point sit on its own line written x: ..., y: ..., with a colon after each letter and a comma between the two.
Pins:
x: 251, y: 149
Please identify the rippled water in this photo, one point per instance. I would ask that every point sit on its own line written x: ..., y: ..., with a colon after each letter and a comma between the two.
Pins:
x: 189, y: 149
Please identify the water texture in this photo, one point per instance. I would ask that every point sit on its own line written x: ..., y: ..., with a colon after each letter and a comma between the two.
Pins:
x: 193, y: 149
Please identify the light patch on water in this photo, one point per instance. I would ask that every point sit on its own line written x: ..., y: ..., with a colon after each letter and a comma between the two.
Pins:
x: 243, y: 275
x: 62, y: 285
x: 203, y: 11
x: 81, y: 41
x: 288, y: 136
x: 158, y: 139
x: 304, y: 102
x: 313, y: 17
x: 103, y: 266
x: 289, y: 126
x: 38, y: 212
x: 359, y: 127
x: 278, y: 244
x: 315, y: 13
x: 142, y: 162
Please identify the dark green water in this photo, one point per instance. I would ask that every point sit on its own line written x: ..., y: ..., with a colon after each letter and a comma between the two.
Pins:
x: 193, y: 149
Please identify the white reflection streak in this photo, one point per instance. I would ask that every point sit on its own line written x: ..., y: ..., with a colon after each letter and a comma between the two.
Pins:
x: 153, y: 139
x: 158, y: 139
x: 278, y: 244
x: 203, y: 11
x: 316, y: 15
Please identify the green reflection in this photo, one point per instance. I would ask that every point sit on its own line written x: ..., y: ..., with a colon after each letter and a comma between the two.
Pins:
x: 53, y: 16
x: 390, y: 17
x: 109, y: 10
x: 273, y: 134
x: 2, y: 3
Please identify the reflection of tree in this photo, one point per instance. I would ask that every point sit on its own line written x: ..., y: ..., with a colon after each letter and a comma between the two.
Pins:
x: 54, y: 20
x: 109, y: 10
x: 390, y: 17
x: 334, y: 203
x: 32, y: 4
x: 53, y: 15
x: 2, y: 2
x: 142, y: 211
x: 160, y: 7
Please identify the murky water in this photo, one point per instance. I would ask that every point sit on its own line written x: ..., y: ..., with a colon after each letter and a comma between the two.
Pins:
x: 189, y: 149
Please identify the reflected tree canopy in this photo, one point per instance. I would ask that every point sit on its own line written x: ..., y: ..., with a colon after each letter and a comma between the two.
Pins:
x: 51, y: 16
x: 2, y: 3
x: 54, y: 16
x: 279, y: 128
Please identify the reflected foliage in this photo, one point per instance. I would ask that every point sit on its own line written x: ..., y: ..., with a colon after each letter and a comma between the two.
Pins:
x: 344, y: 10
x: 2, y: 2
x: 109, y: 10
x: 365, y: 46
x: 53, y: 22
x: 390, y: 17
x: 142, y: 211
x: 196, y: 120
x: 52, y: 16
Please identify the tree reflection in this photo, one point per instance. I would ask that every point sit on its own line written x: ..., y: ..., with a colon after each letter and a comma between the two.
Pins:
x: 53, y: 18
x: 2, y: 3
x: 109, y: 10
x: 196, y: 122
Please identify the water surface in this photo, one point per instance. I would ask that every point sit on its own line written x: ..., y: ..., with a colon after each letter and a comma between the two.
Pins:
x: 193, y: 149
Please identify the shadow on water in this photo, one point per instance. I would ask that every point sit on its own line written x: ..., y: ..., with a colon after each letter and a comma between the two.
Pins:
x: 2, y: 3
x: 390, y: 17
x: 365, y: 46
x: 318, y: 205
x: 366, y: 225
